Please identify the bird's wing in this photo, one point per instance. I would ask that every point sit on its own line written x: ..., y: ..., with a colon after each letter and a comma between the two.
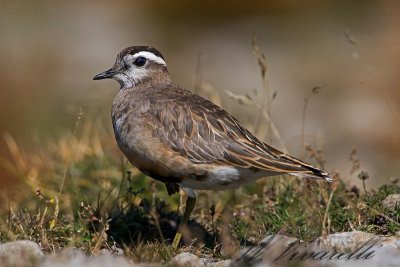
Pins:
x: 203, y: 132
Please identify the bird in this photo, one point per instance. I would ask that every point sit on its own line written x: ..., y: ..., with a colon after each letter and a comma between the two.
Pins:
x: 184, y: 140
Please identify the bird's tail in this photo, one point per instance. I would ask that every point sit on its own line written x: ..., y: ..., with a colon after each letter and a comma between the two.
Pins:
x: 306, y: 170
x: 320, y: 175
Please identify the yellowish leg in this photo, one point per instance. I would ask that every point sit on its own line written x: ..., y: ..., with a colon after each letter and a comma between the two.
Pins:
x: 190, y: 204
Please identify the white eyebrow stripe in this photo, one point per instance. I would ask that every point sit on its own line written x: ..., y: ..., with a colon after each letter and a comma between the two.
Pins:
x: 149, y: 56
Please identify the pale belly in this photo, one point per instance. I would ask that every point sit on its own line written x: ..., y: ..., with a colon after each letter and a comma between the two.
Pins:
x: 222, y: 178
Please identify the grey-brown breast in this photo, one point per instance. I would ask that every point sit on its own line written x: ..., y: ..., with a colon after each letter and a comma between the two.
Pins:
x: 136, y: 131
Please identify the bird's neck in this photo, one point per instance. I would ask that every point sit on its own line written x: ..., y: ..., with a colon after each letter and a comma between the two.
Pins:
x: 157, y: 80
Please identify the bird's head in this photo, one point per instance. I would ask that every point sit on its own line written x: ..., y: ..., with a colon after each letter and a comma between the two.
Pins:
x: 135, y: 65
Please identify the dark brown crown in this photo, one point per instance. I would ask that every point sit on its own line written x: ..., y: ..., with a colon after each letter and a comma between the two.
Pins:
x: 136, y: 49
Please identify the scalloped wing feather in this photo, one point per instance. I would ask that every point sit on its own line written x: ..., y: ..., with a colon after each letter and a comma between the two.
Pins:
x: 204, y: 133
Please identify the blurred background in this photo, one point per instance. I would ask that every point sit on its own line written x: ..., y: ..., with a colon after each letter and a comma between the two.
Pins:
x: 50, y: 51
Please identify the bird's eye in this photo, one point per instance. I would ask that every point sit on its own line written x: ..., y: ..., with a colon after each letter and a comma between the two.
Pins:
x: 140, y: 61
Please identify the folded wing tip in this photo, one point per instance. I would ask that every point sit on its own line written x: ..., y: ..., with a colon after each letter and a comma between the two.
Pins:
x: 316, y: 175
x: 327, y: 177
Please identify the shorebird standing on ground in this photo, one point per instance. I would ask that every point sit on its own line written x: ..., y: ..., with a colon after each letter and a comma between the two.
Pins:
x: 184, y: 140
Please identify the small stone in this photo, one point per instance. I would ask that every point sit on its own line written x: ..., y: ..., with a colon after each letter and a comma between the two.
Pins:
x: 353, y: 240
x: 20, y: 253
x: 104, y: 252
x: 76, y: 258
x: 344, y: 241
x: 224, y: 263
x: 390, y: 201
x: 114, y: 250
x: 187, y: 259
x: 64, y: 256
x: 117, y: 251
x: 265, y: 252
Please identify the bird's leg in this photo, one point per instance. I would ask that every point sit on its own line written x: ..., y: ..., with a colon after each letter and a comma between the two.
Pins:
x: 182, y: 228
